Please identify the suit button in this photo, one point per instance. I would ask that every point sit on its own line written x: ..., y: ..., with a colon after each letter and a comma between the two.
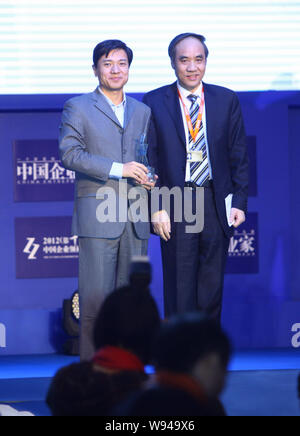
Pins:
x: 124, y: 151
x: 121, y: 131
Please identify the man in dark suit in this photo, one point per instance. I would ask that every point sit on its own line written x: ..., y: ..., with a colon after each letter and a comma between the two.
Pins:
x: 197, y: 142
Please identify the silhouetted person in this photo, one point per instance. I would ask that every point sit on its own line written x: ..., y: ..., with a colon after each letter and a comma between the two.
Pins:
x: 191, y: 356
x: 124, y: 335
x: 79, y: 390
x: 125, y: 328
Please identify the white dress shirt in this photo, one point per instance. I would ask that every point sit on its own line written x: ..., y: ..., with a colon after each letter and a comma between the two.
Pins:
x: 184, y: 94
x: 116, y: 171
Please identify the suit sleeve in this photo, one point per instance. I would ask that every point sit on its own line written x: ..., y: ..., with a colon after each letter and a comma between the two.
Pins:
x: 238, y: 155
x: 73, y: 150
x: 153, y: 158
x: 152, y: 141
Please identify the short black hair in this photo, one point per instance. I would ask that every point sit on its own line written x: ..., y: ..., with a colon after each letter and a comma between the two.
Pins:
x: 79, y: 390
x: 129, y: 318
x: 105, y: 47
x: 185, y: 339
x: 181, y: 37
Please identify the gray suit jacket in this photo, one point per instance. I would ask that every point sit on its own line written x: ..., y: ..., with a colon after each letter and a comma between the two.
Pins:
x: 91, y: 139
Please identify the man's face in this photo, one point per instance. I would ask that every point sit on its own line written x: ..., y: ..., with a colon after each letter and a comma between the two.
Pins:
x: 113, y: 70
x: 190, y: 63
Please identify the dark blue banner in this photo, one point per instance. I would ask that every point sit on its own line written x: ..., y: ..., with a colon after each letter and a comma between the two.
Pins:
x: 45, y: 248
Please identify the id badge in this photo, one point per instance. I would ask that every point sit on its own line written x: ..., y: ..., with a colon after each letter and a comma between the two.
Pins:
x: 195, y: 156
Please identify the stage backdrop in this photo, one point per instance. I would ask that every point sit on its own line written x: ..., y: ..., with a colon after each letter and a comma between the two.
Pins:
x: 46, y: 47
x: 39, y: 256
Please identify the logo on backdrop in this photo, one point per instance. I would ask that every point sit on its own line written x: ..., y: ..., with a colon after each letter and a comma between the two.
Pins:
x: 2, y: 336
x: 45, y: 248
x: 39, y: 174
x: 62, y: 247
x: 243, y: 247
x: 242, y: 243
x: 296, y: 336
x: 31, y: 249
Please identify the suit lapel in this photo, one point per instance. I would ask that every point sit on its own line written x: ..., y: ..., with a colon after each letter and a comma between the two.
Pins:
x: 210, y: 111
x: 173, y: 105
x: 129, y: 110
x: 104, y: 107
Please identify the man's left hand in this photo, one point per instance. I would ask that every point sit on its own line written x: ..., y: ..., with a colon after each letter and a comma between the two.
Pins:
x: 237, y: 217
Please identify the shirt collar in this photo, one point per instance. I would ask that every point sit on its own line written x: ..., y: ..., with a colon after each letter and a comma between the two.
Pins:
x: 185, y: 92
x: 109, y: 100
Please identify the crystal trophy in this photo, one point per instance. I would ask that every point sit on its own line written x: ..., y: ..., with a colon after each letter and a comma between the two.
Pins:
x: 141, y: 157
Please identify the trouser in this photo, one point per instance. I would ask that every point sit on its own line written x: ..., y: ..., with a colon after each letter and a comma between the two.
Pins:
x: 194, y: 265
x: 104, y: 266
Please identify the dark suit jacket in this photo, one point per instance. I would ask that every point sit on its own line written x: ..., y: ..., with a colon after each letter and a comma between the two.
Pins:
x: 226, y: 141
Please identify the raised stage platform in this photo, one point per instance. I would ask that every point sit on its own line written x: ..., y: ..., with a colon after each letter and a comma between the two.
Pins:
x: 260, y: 383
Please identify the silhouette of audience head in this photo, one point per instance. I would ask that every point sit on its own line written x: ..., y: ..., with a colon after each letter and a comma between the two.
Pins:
x: 78, y: 390
x: 191, y: 355
x: 195, y: 345
x: 124, y: 332
x: 128, y: 319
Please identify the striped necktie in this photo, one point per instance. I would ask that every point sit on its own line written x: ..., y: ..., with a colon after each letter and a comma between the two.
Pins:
x: 199, y: 170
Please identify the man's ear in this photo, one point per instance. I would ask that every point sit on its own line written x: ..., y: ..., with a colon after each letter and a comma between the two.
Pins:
x: 95, y: 70
x: 212, y: 360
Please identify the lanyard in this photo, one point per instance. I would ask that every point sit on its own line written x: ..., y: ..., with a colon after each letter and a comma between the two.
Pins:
x: 194, y: 133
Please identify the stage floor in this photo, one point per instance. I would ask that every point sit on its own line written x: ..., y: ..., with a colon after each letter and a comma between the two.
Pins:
x: 260, y: 383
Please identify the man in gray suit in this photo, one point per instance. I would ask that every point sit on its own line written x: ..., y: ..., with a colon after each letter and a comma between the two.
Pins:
x: 98, y: 136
